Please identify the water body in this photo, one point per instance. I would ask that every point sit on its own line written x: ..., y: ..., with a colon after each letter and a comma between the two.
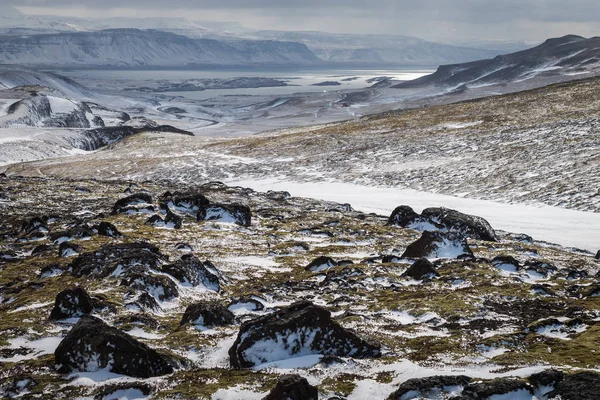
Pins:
x: 299, y: 81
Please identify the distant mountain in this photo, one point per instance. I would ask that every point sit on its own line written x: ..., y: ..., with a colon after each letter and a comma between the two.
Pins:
x: 378, y: 49
x: 566, y: 56
x: 133, y: 47
x: 14, y: 22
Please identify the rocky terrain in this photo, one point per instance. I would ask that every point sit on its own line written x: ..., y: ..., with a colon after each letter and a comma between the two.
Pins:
x: 532, y: 147
x: 114, y: 289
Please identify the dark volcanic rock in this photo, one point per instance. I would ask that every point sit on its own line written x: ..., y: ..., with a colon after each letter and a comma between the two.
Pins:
x: 236, y: 213
x: 187, y: 202
x: 105, y: 261
x: 35, y: 224
x: 71, y: 303
x: 124, y: 205
x: 208, y: 314
x: 445, y: 220
x: 486, y: 389
x: 578, y: 386
x: 425, y: 385
x: 403, y: 216
x: 438, y: 245
x: 321, y: 263
x: 302, y: 328
x: 189, y: 269
x: 248, y: 303
x: 421, y: 269
x: 546, y: 378
x: 161, y: 287
x: 465, y: 225
x: 108, y: 229
x: 292, y: 387
x: 92, y: 345
x: 597, y: 255
x: 171, y: 220
x: 68, y: 249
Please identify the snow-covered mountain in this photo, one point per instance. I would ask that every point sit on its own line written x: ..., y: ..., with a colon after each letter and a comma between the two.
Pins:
x: 13, y: 22
x: 570, y: 55
x: 133, y: 47
x: 379, y: 49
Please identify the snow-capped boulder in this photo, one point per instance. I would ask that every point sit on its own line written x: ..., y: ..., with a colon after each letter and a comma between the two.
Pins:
x: 298, y: 330
x: 445, y: 220
x: 160, y: 287
x: 68, y: 249
x: 207, y: 314
x: 322, y: 263
x: 108, y: 229
x: 517, y: 388
x: 116, y: 259
x: 402, y: 216
x: 81, y: 232
x: 171, y: 220
x: 438, y: 245
x: 71, y: 303
x: 190, y: 202
x: 190, y: 270
x: 246, y: 304
x: 92, y: 345
x: 35, y: 224
x: 293, y: 387
x: 421, y: 269
x: 131, y: 203
x: 232, y: 213
x: 506, y: 263
x: 424, y: 387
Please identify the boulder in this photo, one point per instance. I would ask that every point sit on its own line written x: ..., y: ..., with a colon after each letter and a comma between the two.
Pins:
x: 498, y: 386
x: 292, y: 387
x: 113, y: 258
x: 438, y: 245
x: 421, y: 269
x: 403, y: 216
x: 445, y: 220
x: 246, y: 304
x: 108, y: 229
x: 160, y: 287
x: 233, y: 213
x: 35, y: 224
x: 298, y: 330
x: 68, y: 249
x: 190, y: 202
x: 320, y: 264
x: 92, y: 345
x: 577, y: 386
x: 597, y: 255
x: 421, y: 387
x: 132, y: 202
x: 208, y: 314
x: 71, y: 303
x: 190, y: 270
x: 548, y: 377
x: 171, y: 220
x: 81, y: 232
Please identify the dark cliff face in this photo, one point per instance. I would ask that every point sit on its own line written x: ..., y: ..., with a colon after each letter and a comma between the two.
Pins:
x: 133, y: 47
x: 553, y: 57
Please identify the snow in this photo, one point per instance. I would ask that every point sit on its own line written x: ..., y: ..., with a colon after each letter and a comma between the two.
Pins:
x: 40, y: 347
x: 280, y: 348
x: 553, y: 224
x: 127, y: 394
x: 237, y: 393
x: 140, y: 333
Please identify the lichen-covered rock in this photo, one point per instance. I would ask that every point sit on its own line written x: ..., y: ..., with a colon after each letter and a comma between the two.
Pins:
x: 108, y: 229
x: 445, y: 220
x: 68, y: 249
x: 131, y: 203
x: 293, y: 387
x: 300, y: 329
x: 498, y: 386
x: 71, y: 303
x: 92, y: 345
x: 423, y: 387
x: 322, y: 263
x: 577, y: 386
x: 230, y: 213
x: 190, y: 270
x: 421, y: 269
x: 113, y: 258
x: 438, y: 245
x: 207, y: 314
x: 160, y: 287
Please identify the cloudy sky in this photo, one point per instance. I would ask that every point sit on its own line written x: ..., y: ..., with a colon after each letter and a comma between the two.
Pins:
x: 441, y: 20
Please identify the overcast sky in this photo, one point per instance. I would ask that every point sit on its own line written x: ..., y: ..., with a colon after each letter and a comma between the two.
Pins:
x: 441, y: 20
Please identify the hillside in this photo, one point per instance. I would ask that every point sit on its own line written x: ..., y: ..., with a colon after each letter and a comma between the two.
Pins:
x: 135, y: 48
x: 570, y: 55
